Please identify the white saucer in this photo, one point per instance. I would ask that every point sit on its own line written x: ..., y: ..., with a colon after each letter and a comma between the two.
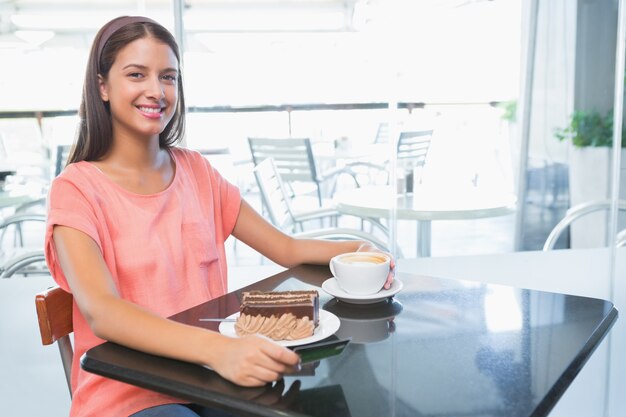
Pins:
x: 332, y: 287
x: 328, y: 325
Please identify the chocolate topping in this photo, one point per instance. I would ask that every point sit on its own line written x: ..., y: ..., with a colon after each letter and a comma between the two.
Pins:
x: 281, y: 315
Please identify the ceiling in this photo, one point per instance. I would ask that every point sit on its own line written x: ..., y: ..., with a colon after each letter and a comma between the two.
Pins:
x: 74, y: 16
x: 260, y: 51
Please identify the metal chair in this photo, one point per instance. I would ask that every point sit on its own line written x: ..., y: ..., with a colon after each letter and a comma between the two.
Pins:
x: 24, y: 262
x: 16, y: 221
x: 382, y: 133
x: 413, y: 146
x: 282, y: 215
x: 412, y: 150
x: 294, y: 160
x: 579, y: 211
x: 54, y: 313
x: 16, y: 257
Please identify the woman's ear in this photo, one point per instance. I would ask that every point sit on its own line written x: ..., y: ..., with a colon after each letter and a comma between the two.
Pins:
x: 104, y: 94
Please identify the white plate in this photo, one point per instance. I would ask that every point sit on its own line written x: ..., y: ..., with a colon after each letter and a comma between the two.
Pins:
x: 332, y: 287
x: 328, y: 325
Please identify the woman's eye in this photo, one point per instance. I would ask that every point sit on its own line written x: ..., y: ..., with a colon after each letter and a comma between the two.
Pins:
x: 135, y: 75
x: 170, y: 77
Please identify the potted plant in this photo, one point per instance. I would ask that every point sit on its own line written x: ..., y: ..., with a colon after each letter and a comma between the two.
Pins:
x: 590, y: 135
x: 589, y: 129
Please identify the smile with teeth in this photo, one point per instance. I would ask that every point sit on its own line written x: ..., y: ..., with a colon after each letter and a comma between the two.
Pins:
x: 149, y: 109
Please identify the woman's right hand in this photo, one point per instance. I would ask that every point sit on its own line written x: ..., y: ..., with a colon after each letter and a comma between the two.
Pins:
x: 254, y: 361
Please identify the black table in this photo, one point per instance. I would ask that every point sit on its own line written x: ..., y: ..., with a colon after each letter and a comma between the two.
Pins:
x: 438, y: 348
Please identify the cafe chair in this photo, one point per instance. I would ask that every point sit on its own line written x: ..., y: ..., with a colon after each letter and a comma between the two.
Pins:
x: 282, y: 215
x: 581, y: 210
x: 54, y: 313
x: 382, y: 133
x: 15, y: 255
x: 294, y: 160
x: 25, y: 263
x: 342, y: 233
x: 15, y: 222
x: 276, y: 200
x: 412, y: 150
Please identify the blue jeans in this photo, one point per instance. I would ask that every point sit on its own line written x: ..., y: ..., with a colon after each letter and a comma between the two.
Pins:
x: 180, y: 410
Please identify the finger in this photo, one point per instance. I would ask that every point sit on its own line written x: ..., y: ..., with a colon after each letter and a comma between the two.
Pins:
x: 390, y: 276
x: 251, y: 381
x: 265, y: 374
x: 270, y: 360
x: 280, y: 354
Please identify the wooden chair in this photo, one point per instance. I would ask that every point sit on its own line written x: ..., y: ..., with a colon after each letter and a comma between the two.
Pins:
x: 54, y: 313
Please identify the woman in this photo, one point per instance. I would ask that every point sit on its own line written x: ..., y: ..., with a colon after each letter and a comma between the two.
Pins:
x: 136, y: 228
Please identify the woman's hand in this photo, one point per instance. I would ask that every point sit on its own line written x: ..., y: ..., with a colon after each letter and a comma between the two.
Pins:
x: 370, y: 247
x: 254, y: 361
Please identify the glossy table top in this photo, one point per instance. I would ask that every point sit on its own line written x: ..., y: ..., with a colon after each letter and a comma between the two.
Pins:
x: 439, y: 347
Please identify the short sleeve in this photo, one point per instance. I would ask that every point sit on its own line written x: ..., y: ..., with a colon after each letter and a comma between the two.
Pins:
x: 67, y: 206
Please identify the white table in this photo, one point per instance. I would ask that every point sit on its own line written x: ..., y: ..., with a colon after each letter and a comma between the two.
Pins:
x: 425, y: 204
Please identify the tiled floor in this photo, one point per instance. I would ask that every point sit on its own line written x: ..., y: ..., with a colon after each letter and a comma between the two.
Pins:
x: 31, y: 378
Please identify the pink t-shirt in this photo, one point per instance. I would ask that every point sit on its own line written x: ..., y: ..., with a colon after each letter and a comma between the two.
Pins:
x: 165, y: 252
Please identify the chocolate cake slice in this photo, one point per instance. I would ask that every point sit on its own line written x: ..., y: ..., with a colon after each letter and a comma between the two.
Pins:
x: 280, y: 315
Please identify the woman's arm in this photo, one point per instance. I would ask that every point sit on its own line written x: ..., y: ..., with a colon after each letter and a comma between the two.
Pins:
x: 256, y: 232
x: 246, y: 361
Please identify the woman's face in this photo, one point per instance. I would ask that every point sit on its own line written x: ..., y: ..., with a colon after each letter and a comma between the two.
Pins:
x: 142, y: 88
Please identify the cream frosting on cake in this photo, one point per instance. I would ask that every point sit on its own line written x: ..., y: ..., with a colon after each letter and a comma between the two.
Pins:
x: 279, y: 315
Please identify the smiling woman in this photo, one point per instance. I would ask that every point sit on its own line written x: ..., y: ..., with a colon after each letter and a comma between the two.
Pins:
x: 136, y: 228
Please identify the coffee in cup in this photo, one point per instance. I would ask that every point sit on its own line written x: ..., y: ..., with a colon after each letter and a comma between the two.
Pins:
x: 360, y: 273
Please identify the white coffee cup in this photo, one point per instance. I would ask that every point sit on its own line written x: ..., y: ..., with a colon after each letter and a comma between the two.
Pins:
x: 360, y: 273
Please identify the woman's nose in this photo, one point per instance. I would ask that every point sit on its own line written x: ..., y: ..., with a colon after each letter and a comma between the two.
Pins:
x: 155, y: 88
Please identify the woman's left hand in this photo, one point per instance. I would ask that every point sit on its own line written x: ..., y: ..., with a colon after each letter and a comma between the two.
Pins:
x: 370, y: 247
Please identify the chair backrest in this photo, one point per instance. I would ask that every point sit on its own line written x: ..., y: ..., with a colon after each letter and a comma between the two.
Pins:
x: 15, y: 222
x: 24, y: 262
x: 293, y: 158
x: 382, y: 133
x: 273, y: 193
x: 413, y: 147
x: 54, y: 313
x: 15, y: 255
x: 579, y: 211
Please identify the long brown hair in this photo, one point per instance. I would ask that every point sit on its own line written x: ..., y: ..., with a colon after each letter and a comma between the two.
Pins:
x: 95, y: 132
